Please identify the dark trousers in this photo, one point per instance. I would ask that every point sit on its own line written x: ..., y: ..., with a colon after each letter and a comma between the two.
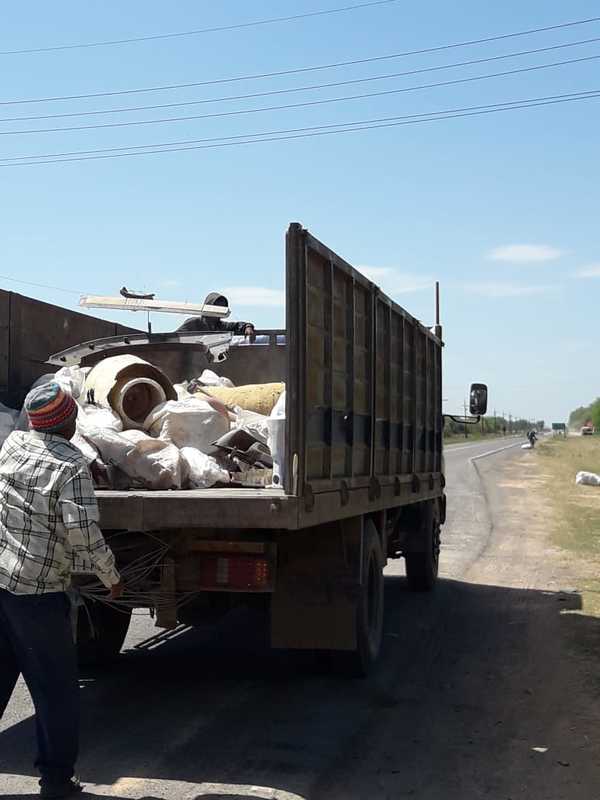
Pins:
x: 36, y: 640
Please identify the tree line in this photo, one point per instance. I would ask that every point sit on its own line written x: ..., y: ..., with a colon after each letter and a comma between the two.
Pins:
x: 489, y: 426
x: 585, y: 414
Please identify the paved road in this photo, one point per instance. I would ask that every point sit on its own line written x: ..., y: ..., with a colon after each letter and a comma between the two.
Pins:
x: 452, y: 712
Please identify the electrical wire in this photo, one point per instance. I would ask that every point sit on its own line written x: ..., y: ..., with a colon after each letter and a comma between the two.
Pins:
x: 199, y: 31
x: 432, y: 117
x: 305, y: 104
x: 307, y: 88
x: 249, y: 136
x: 39, y: 285
x: 297, y: 70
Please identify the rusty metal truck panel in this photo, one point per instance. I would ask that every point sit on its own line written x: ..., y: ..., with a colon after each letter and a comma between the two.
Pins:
x: 364, y: 383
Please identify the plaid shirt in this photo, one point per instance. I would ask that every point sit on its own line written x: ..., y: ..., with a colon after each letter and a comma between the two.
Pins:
x: 48, y: 516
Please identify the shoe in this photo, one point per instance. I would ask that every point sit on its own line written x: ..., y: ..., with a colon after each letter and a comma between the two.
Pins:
x: 55, y: 791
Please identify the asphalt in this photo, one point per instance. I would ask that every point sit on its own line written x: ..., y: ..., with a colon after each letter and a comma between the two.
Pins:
x: 453, y: 711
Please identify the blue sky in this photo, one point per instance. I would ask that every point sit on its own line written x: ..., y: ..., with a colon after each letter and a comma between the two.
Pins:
x: 501, y: 209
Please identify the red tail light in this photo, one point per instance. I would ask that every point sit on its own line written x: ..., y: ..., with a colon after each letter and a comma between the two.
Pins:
x: 236, y: 572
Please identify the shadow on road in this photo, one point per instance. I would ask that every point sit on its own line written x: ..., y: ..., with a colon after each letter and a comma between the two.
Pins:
x: 473, y: 678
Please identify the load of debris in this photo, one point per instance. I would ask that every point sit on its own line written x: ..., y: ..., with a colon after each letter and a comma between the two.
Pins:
x: 138, y: 430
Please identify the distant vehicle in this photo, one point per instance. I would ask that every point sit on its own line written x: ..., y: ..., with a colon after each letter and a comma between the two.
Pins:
x: 587, y: 430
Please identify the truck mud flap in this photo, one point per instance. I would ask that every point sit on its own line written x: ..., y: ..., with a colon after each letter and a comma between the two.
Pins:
x: 318, y: 581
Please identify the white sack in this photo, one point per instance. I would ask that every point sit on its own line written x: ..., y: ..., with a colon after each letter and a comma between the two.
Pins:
x: 150, y: 462
x: 257, y: 423
x: 278, y: 411
x: 187, y: 423
x: 276, y: 425
x: 72, y: 380
x: 587, y: 479
x: 182, y: 390
x: 90, y: 452
x: 210, y: 378
x: 201, y: 471
x: 91, y: 416
x: 8, y: 420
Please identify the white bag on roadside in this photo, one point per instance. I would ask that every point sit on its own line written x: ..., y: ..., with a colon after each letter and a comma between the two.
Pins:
x: 187, y: 423
x: 201, y: 471
x: 587, y: 479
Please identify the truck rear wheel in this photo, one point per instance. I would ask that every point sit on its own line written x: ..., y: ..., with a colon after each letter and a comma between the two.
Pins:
x: 369, y: 612
x: 422, y: 566
x: 101, y: 631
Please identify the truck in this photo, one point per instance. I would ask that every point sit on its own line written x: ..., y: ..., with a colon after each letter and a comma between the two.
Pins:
x: 364, y: 480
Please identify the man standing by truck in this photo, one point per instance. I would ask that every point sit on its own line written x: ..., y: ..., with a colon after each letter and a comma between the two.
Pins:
x: 48, y: 524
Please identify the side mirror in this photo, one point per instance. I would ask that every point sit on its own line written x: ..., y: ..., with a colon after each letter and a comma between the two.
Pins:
x: 478, y: 399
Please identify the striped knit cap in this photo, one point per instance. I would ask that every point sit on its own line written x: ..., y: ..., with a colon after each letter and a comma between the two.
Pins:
x: 50, y: 408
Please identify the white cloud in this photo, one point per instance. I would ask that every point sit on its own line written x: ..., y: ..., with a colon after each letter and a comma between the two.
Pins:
x: 170, y: 283
x: 591, y: 271
x: 504, y: 289
x: 254, y: 296
x: 524, y: 253
x: 395, y: 282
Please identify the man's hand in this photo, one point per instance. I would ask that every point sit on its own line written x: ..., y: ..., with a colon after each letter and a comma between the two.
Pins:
x: 116, y: 590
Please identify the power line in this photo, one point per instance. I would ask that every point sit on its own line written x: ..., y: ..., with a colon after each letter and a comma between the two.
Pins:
x: 305, y: 104
x: 39, y: 285
x: 198, y: 31
x: 305, y: 88
x: 153, y: 145
x: 302, y: 133
x: 279, y: 73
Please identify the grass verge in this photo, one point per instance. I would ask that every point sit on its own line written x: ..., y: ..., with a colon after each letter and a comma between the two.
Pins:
x: 576, y: 509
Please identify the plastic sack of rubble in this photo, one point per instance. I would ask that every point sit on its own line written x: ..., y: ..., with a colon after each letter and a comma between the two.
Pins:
x: 90, y: 452
x: 91, y: 417
x: 187, y: 423
x: 201, y: 471
x: 587, y: 479
x: 210, y: 378
x: 257, y: 423
x: 149, y: 462
x: 72, y: 380
x: 276, y: 440
x: 8, y: 420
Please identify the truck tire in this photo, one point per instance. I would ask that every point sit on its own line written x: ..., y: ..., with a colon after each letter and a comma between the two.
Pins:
x: 101, y: 631
x: 422, y: 566
x: 369, y: 612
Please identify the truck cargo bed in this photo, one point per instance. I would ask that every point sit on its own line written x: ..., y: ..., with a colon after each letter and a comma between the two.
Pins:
x: 255, y: 508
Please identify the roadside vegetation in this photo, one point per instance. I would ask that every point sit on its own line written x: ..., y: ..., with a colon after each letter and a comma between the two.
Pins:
x: 489, y: 426
x: 584, y: 415
x: 576, y: 509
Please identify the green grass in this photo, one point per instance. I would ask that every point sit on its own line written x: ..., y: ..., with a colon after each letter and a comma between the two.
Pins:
x: 575, y: 509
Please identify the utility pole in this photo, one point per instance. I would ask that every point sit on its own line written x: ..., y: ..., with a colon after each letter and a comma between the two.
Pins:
x: 465, y: 410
